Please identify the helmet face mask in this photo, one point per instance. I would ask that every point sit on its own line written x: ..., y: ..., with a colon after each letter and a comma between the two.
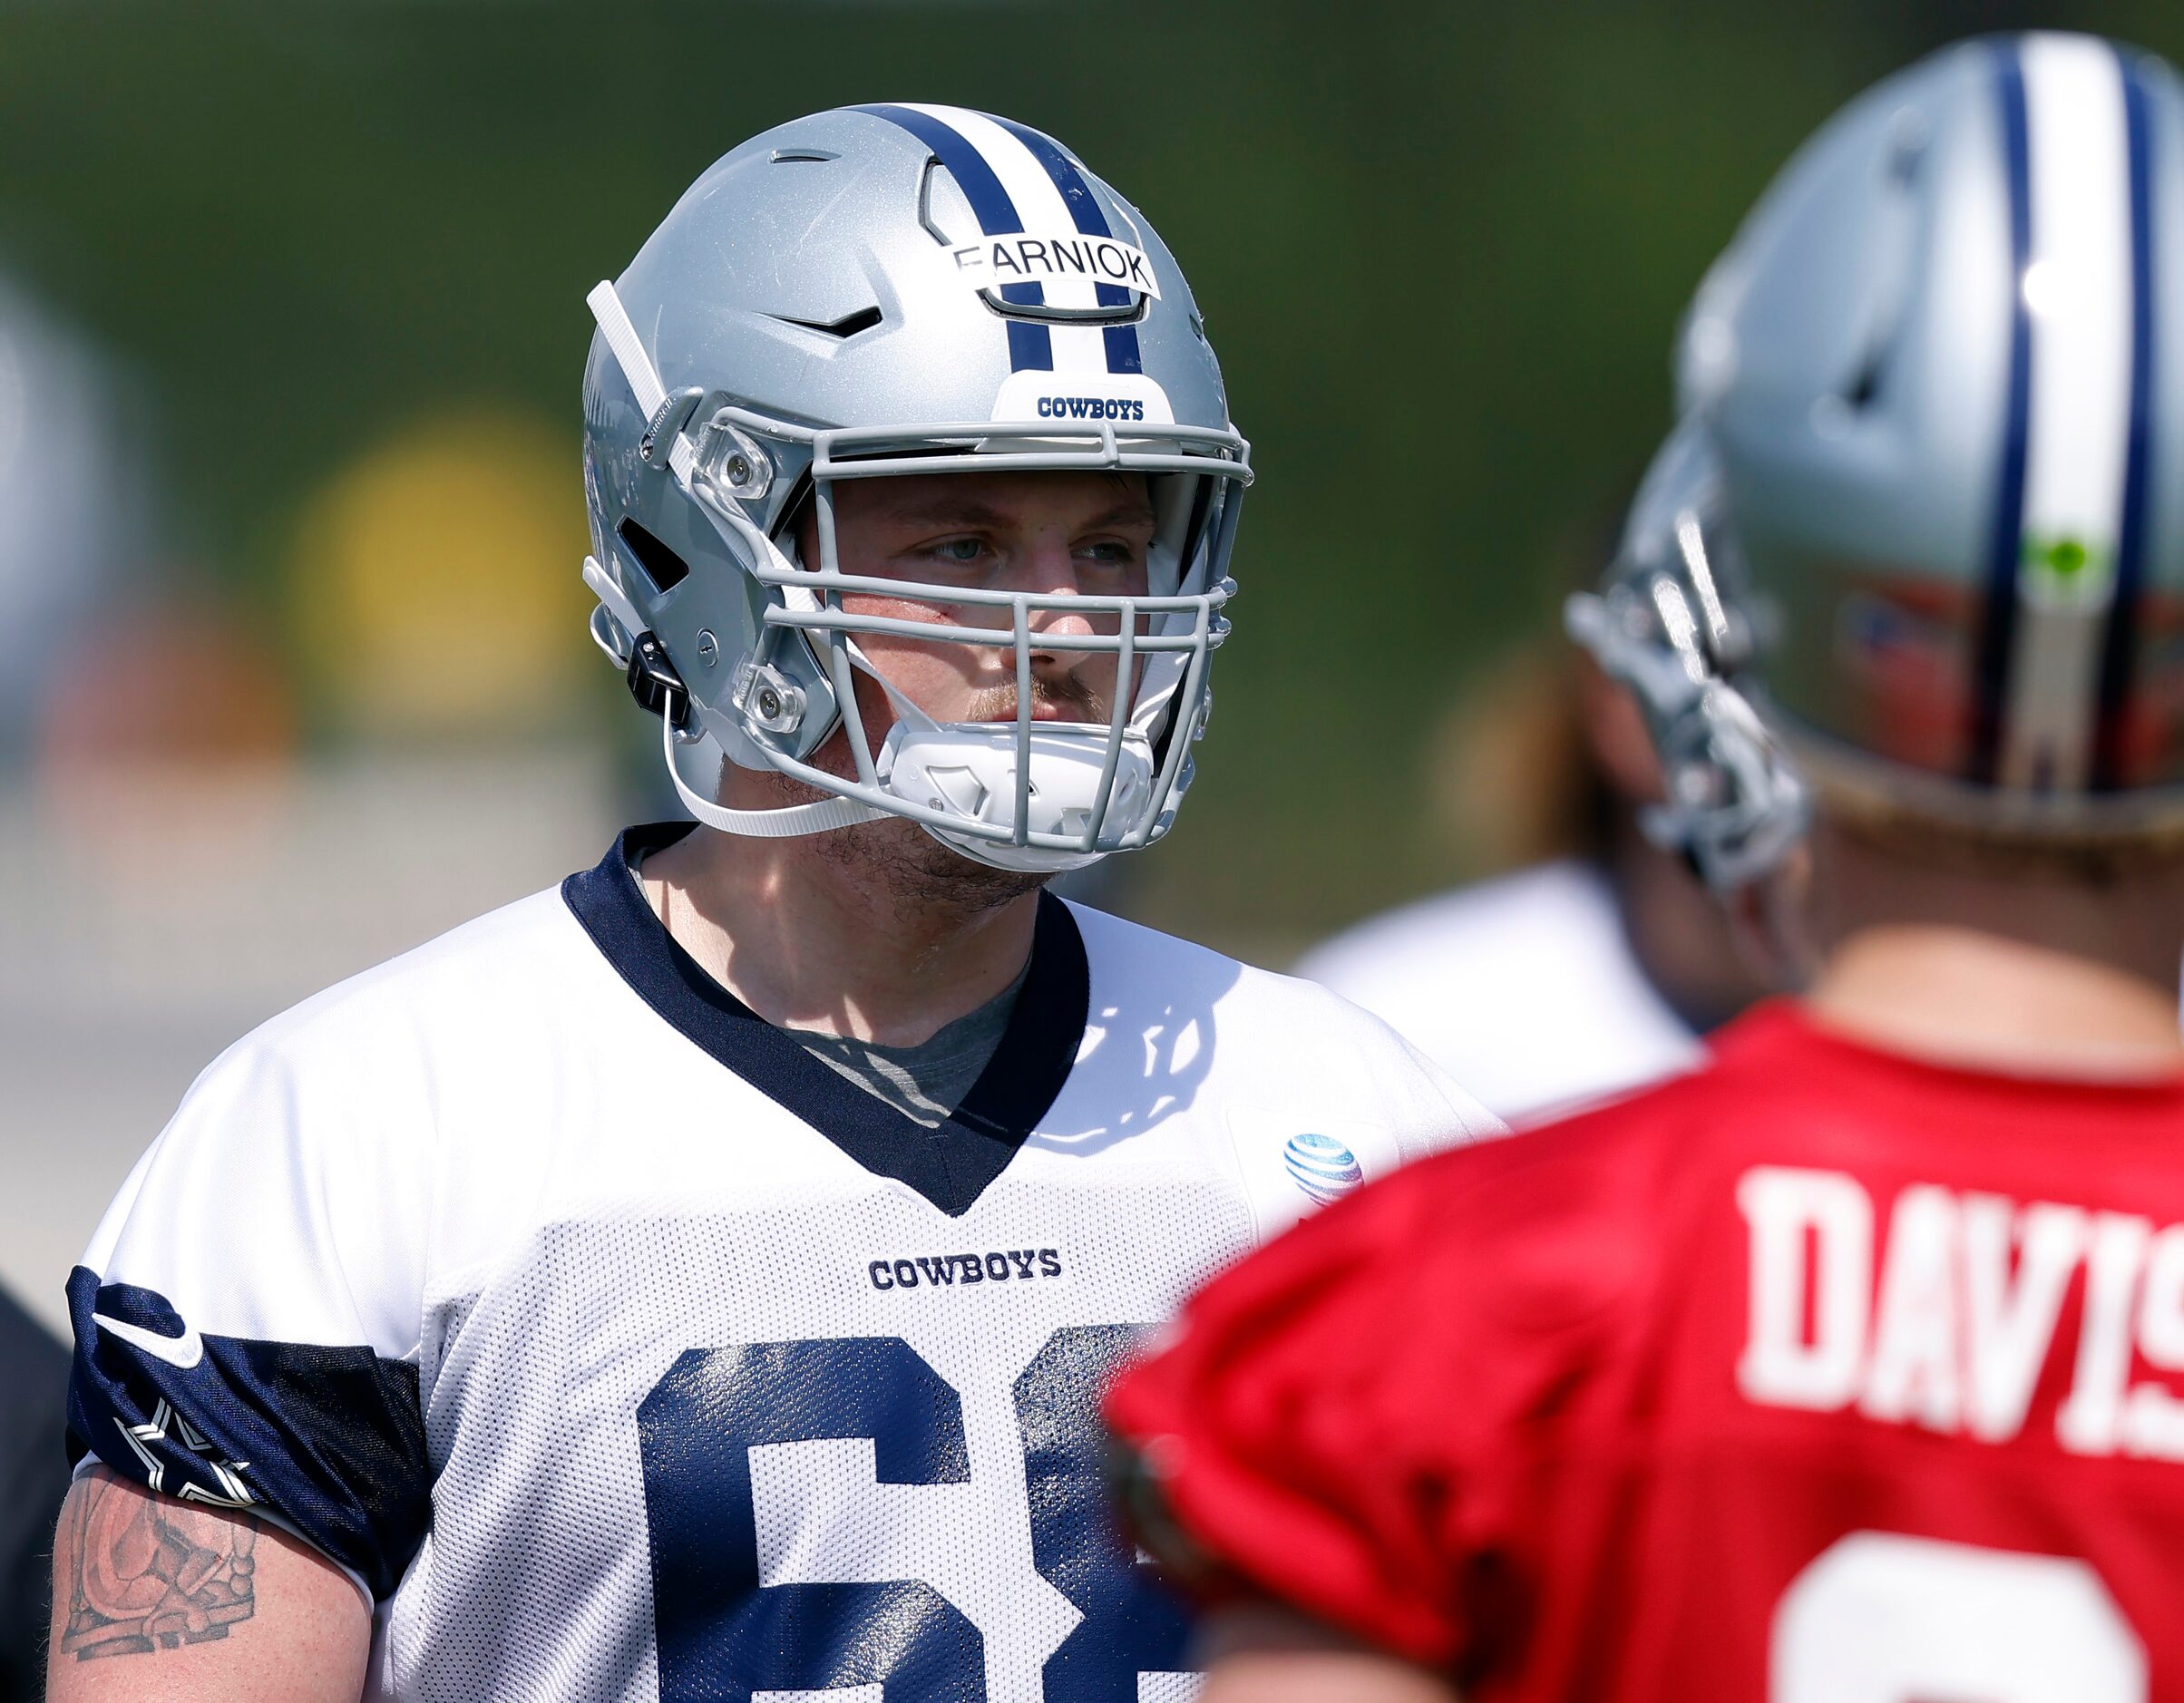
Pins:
x: 716, y: 483
x: 1670, y: 625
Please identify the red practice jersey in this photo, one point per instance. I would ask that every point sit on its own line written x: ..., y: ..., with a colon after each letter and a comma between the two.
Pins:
x: 1821, y: 1376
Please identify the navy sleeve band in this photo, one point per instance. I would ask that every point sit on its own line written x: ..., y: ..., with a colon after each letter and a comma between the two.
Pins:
x: 332, y: 1439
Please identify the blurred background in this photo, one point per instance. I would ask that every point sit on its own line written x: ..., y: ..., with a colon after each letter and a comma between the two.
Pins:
x: 292, y: 665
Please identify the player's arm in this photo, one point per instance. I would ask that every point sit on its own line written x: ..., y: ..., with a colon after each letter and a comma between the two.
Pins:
x: 1261, y: 1652
x: 244, y: 1409
x: 159, y: 1598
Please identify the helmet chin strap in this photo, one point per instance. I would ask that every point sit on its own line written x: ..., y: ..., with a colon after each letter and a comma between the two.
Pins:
x: 785, y: 822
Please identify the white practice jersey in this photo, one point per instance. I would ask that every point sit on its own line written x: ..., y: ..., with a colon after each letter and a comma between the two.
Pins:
x: 1524, y: 988
x: 618, y: 1348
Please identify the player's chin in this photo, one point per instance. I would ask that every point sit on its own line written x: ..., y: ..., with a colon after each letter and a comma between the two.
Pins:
x: 895, y: 853
x: 920, y: 868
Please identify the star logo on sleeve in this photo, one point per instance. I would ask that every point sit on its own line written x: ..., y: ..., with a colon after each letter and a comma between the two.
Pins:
x: 230, y: 1491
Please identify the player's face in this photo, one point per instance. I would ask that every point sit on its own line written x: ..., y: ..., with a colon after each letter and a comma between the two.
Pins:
x: 1062, y: 535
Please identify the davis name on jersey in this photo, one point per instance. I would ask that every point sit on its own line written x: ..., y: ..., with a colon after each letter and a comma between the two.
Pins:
x: 1970, y: 1293
x: 618, y: 1349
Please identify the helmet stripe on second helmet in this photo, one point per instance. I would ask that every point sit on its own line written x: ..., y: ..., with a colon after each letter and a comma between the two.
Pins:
x: 2119, y: 643
x: 2064, y: 526
x: 1998, y: 619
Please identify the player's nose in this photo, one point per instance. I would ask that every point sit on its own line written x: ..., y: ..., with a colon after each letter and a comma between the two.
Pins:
x: 1049, y: 570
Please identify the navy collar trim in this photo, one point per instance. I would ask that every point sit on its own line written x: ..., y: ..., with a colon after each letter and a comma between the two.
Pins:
x: 951, y: 1164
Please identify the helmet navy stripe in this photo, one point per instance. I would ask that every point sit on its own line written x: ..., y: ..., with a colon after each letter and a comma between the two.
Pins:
x: 2119, y: 640
x: 1030, y: 347
x: 1123, y: 353
x: 1998, y: 626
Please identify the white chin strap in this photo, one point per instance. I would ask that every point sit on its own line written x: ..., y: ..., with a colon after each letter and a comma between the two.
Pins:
x: 783, y: 822
x: 966, y: 769
x: 969, y: 771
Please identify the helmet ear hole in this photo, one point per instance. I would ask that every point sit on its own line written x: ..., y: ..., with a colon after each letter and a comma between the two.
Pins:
x: 660, y: 565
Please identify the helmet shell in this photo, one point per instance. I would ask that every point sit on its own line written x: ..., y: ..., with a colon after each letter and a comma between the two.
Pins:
x: 1941, y: 372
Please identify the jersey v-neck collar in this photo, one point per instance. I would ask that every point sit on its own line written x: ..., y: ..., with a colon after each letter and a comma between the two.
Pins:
x: 951, y: 1163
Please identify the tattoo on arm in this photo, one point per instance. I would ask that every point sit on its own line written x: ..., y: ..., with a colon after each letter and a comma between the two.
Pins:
x: 152, y: 1573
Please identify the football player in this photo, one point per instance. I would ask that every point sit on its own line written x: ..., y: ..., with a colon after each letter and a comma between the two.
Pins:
x: 695, y: 1281
x: 1850, y: 1368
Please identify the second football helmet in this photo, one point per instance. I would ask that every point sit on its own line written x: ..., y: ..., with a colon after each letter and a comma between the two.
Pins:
x: 869, y: 293
x: 1924, y: 509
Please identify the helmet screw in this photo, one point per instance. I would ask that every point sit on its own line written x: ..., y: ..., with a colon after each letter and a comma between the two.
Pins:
x: 771, y: 702
x: 738, y: 470
x: 708, y: 646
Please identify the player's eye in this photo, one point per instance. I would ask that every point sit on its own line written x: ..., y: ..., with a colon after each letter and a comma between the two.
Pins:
x: 1110, y: 556
x: 960, y: 552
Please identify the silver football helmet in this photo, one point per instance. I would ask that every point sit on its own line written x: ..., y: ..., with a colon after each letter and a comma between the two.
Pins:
x: 1922, y: 519
x: 869, y: 293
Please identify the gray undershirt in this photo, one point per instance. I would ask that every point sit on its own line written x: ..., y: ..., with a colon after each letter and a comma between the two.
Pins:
x: 927, y: 1082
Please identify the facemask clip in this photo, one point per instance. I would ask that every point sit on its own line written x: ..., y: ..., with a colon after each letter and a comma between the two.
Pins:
x: 654, y: 683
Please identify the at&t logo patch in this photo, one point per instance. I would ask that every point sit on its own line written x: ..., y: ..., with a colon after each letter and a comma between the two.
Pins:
x: 1321, y: 1166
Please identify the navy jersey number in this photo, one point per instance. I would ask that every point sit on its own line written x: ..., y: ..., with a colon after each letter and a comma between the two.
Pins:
x: 1131, y: 1624
x: 720, y: 1635
x: 723, y: 1635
